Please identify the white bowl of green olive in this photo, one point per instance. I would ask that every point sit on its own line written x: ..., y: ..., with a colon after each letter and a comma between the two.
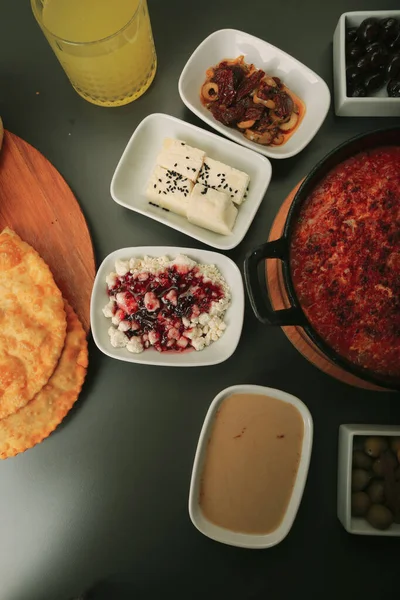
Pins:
x: 369, y: 479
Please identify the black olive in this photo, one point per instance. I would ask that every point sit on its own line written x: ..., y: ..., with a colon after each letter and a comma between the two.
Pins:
x: 374, y: 47
x: 351, y: 35
x: 378, y: 58
x: 393, y: 88
x: 364, y: 64
x: 374, y: 82
x: 353, y: 51
x: 390, y: 28
x: 353, y: 75
x: 393, y: 67
x: 369, y: 30
x: 358, y: 91
x: 395, y: 43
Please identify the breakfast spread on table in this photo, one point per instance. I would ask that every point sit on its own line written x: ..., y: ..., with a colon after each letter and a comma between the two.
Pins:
x: 172, y: 305
x: 341, y: 274
x: 260, y: 106
x: 40, y: 338
x: 187, y: 182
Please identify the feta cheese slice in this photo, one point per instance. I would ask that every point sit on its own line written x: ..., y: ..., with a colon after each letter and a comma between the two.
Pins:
x: 169, y: 190
x: 181, y: 158
x: 225, y: 179
x: 211, y: 209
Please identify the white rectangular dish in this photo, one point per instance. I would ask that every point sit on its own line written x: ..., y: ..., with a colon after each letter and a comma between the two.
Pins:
x: 377, y: 105
x: 234, y: 538
x: 139, y: 158
x: 230, y: 43
x: 347, y: 433
x: 211, y: 355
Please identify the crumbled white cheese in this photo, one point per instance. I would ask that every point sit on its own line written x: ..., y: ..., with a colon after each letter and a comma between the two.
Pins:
x: 124, y: 325
x: 117, y: 338
x: 111, y: 279
x: 135, y: 345
x: 198, y: 343
x: 204, y: 318
x: 108, y: 310
x: 121, y: 267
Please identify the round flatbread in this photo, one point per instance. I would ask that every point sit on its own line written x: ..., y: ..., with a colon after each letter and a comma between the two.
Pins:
x: 35, y: 421
x: 32, y: 323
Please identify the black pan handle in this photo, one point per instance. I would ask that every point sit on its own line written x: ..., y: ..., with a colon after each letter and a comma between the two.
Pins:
x: 263, y: 310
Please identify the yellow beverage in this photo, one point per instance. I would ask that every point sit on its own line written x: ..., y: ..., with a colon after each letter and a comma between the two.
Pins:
x: 105, y: 46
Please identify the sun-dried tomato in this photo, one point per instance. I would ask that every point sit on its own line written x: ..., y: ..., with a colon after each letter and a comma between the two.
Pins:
x: 253, y: 112
x: 228, y: 115
x: 249, y: 84
x: 283, y: 105
x: 224, y: 78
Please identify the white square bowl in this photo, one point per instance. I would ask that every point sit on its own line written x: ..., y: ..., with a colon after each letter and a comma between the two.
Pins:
x: 377, y: 105
x: 227, y: 536
x: 230, y: 43
x: 211, y: 355
x: 347, y: 433
x: 139, y: 158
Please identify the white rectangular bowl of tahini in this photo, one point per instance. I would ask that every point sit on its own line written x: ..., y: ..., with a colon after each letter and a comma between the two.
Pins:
x: 211, y: 355
x: 139, y: 158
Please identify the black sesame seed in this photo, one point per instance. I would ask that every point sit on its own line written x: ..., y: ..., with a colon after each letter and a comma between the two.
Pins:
x: 187, y: 157
x: 165, y: 193
x: 225, y: 186
x: 166, y: 209
x: 193, y: 169
x: 176, y: 164
x: 155, y: 185
x: 236, y: 191
x: 183, y: 144
x: 230, y: 189
x: 160, y: 180
x: 159, y: 191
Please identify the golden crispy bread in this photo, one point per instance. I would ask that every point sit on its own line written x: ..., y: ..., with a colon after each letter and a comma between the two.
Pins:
x: 35, y: 421
x: 32, y: 323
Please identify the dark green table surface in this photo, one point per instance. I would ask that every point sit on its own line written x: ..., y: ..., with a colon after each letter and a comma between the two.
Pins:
x: 104, y: 499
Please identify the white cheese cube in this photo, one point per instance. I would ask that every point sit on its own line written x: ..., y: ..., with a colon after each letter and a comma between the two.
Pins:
x: 211, y: 209
x: 181, y: 158
x: 169, y: 190
x: 225, y: 179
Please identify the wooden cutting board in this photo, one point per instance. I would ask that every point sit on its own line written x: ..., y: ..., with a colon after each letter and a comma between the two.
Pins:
x: 36, y: 202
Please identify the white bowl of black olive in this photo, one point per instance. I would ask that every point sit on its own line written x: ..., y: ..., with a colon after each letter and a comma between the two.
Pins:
x: 366, y: 64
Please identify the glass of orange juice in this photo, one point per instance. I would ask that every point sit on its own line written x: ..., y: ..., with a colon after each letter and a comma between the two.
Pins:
x: 105, y: 47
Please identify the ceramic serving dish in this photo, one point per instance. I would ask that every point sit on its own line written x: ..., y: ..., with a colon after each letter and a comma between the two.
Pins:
x: 227, y: 536
x: 378, y: 104
x: 347, y: 437
x: 230, y: 43
x: 138, y: 160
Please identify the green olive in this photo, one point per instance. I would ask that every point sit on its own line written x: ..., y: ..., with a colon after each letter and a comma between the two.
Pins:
x: 377, y: 467
x: 373, y: 446
x: 360, y: 503
x: 395, y: 444
x: 379, y: 516
x: 376, y: 492
x: 360, y: 480
x: 361, y: 460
